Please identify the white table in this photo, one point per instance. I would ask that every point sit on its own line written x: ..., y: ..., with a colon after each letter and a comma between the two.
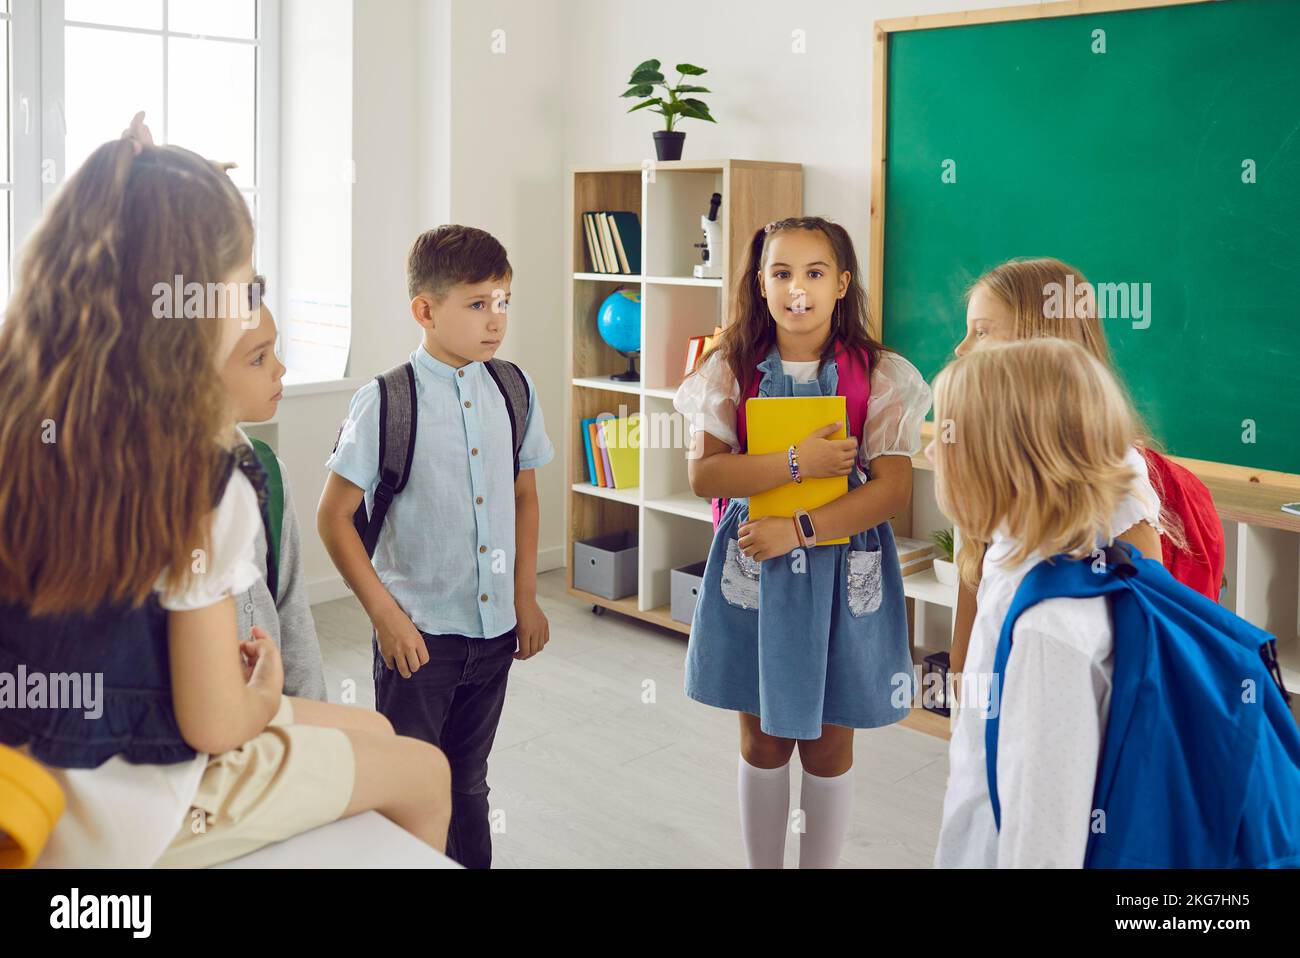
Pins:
x: 367, y: 840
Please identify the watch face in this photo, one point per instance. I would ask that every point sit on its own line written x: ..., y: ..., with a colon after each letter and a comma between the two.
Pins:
x: 805, y: 523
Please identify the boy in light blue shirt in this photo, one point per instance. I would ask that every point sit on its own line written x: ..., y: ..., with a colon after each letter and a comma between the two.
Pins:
x: 452, y: 588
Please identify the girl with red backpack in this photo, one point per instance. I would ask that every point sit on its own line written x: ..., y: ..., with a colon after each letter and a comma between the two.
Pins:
x: 1013, y: 302
x: 807, y: 642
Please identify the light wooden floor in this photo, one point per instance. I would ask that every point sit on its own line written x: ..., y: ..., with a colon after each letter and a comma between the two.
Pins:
x: 602, y: 761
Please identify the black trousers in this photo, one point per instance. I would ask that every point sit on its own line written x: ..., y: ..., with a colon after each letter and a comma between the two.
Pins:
x: 454, y: 702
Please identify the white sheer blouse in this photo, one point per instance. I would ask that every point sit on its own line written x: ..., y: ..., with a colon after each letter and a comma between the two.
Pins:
x: 900, y: 399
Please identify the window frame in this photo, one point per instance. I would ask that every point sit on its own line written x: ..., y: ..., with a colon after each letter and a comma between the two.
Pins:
x: 38, y: 122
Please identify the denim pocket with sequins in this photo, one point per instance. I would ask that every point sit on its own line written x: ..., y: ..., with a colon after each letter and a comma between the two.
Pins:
x: 864, y: 582
x: 740, y: 578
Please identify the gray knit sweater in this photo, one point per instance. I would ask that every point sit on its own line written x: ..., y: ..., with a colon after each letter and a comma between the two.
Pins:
x: 287, y: 620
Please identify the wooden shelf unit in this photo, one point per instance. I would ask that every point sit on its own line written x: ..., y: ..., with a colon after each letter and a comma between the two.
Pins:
x: 673, y: 527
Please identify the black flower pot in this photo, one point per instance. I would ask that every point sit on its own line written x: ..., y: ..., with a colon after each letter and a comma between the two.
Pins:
x: 668, y: 145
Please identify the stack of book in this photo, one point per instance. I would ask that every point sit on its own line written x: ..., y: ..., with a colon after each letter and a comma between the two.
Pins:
x: 613, y: 242
x: 914, y: 554
x: 613, y: 450
x: 696, y: 347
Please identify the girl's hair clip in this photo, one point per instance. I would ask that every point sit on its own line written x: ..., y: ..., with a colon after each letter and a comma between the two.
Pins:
x: 768, y: 227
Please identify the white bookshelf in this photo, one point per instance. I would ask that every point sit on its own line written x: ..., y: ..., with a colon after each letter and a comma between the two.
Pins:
x: 673, y: 526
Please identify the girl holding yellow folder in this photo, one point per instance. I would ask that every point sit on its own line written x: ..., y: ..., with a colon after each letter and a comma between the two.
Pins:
x: 807, y: 642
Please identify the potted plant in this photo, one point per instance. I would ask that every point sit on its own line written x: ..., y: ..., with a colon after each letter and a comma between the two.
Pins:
x: 945, y: 569
x: 669, y: 104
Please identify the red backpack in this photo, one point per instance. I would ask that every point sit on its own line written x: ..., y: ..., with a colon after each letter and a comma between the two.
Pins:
x: 1199, y: 566
x: 854, y: 385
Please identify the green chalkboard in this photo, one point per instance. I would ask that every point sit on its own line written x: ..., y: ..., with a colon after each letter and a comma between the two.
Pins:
x: 1127, y: 164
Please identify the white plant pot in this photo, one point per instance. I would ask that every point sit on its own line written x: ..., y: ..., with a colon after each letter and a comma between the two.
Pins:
x: 945, y: 572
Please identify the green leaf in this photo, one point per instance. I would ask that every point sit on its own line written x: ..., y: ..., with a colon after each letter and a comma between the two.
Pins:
x: 686, y: 88
x: 644, y: 89
x: 648, y: 65
x: 641, y: 106
x: 647, y: 76
x: 674, y: 108
x: 690, y: 70
x: 697, y: 110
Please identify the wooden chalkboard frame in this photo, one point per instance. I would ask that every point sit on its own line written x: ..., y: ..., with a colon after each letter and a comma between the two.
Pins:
x: 1220, y: 476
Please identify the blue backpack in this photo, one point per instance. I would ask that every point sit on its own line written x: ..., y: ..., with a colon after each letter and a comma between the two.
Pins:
x: 1200, y: 767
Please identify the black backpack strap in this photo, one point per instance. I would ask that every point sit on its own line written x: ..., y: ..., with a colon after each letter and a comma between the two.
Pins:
x: 514, y: 389
x: 397, y: 420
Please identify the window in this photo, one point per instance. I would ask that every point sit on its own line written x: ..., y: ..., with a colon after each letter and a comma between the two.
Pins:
x: 6, y: 164
x: 204, y: 72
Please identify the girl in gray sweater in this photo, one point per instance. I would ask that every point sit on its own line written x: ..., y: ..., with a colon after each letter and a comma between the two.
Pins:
x: 277, y: 601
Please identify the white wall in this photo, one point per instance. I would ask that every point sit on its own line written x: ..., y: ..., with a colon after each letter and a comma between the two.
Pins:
x: 498, y: 166
x: 386, y: 120
x: 770, y: 102
x: 362, y: 246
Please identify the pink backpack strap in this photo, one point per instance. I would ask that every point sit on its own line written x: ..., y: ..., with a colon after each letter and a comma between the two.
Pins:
x: 742, y: 433
x: 854, y: 372
x: 742, y: 436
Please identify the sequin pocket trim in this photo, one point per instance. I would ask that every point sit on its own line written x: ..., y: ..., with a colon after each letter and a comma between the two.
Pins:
x: 740, y: 578
x: 865, y: 585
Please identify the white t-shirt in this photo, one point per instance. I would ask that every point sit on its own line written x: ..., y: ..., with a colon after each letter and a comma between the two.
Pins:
x: 1055, y: 700
x: 122, y: 815
x: 900, y: 399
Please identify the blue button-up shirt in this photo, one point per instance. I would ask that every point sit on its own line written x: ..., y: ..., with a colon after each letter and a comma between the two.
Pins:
x: 446, y: 553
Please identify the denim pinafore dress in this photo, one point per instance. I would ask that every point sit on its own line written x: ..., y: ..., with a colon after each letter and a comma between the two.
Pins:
x: 816, y: 637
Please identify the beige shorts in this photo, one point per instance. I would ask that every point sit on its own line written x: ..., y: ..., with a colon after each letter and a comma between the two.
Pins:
x: 287, y: 780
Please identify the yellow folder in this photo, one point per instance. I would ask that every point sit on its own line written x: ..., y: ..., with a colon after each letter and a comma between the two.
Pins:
x: 774, y: 425
x: 623, y: 442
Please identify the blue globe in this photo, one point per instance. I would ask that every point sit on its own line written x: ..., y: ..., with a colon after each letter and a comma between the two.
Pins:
x: 619, y: 320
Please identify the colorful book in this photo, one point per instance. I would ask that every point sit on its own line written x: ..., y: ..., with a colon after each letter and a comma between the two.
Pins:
x: 593, y: 441
x: 774, y: 425
x: 586, y: 442
x: 694, y: 350
x: 604, y: 455
x: 608, y: 481
x: 697, y: 347
x: 623, y: 444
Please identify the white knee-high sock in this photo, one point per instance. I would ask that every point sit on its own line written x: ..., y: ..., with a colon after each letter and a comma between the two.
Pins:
x: 764, y: 813
x: 827, y: 805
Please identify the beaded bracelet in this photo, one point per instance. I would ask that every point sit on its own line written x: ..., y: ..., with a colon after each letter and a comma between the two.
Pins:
x: 793, y: 456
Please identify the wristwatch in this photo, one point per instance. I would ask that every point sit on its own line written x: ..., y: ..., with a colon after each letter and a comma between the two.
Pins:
x: 804, y: 524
